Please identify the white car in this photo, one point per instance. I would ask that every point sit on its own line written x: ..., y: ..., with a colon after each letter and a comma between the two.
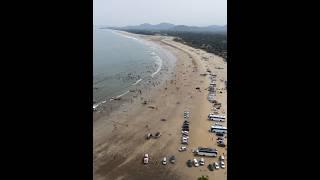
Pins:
x: 183, y: 148
x: 184, y: 140
x: 216, y: 165
x: 221, y: 158
x: 146, y: 159
x: 185, y: 133
x: 164, y: 161
x: 222, y: 165
x: 185, y: 136
x: 201, y: 161
x: 196, y: 164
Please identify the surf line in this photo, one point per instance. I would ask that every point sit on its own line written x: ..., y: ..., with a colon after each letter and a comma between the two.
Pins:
x: 137, y: 82
x: 159, y: 63
x: 118, y: 97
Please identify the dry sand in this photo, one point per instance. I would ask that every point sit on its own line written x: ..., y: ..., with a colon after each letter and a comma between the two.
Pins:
x: 119, y: 137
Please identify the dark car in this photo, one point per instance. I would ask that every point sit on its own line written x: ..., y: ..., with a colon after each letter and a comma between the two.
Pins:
x: 221, y: 144
x: 189, y: 163
x: 219, y: 134
x: 210, y: 167
x: 172, y: 159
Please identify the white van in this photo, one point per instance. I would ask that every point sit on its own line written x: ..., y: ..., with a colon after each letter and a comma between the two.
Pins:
x: 164, y: 161
x: 201, y: 161
x: 146, y: 159
x: 196, y: 164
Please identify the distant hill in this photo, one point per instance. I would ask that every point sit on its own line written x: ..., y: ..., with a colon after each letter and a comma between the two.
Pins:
x: 172, y: 27
x: 212, y: 28
x: 147, y: 26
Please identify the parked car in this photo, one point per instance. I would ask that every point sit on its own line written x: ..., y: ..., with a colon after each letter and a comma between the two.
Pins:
x: 189, y: 163
x: 158, y: 134
x: 221, y: 158
x: 183, y: 148
x: 185, y: 133
x: 172, y: 159
x: 185, y: 136
x: 222, y: 165
x: 146, y: 159
x: 164, y: 161
x: 221, y: 144
x: 210, y: 167
x: 219, y: 134
x: 201, y: 161
x: 184, y: 141
x: 216, y: 165
x: 149, y: 135
x: 195, y: 161
x: 185, y: 126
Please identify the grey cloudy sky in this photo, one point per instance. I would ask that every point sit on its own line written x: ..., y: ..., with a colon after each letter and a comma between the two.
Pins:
x: 134, y: 12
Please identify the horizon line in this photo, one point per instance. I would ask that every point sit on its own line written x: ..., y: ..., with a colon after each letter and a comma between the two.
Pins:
x: 161, y: 23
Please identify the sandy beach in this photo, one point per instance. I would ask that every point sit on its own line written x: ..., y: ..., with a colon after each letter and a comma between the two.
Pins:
x: 119, y: 134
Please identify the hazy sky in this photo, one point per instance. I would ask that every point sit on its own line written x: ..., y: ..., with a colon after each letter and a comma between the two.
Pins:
x: 134, y: 12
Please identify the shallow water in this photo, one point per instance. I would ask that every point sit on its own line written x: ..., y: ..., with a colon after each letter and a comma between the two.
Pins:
x: 120, y: 62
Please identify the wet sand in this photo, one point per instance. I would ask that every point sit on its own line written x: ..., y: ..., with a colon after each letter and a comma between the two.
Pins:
x: 119, y: 135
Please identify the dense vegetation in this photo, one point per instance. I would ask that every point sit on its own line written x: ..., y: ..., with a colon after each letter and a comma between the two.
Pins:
x: 203, y: 178
x: 213, y: 42
x: 210, y: 42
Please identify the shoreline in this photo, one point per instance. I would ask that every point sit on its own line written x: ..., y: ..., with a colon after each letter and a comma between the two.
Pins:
x: 119, y: 137
x: 165, y: 62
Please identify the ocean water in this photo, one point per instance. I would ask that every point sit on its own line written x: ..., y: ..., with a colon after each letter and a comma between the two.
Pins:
x: 120, y: 62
